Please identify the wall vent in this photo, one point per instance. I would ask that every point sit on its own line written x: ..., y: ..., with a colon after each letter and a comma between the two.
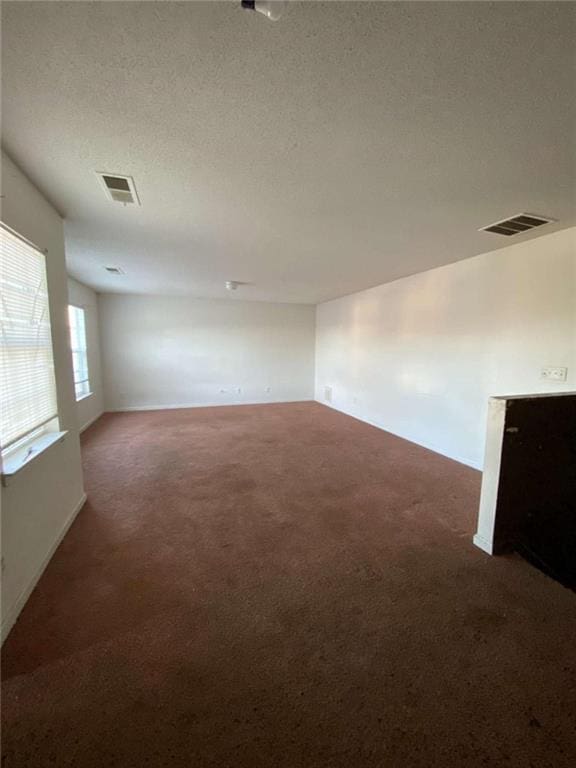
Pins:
x: 118, y: 188
x: 115, y: 270
x: 515, y: 225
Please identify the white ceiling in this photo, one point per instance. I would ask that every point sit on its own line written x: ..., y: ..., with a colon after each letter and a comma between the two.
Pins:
x: 343, y: 146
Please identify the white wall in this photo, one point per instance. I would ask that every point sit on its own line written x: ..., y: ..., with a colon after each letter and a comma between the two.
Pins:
x: 420, y: 356
x: 89, y: 408
x: 171, y: 351
x: 41, y: 500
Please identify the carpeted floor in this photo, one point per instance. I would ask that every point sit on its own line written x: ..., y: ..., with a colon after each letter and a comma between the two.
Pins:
x: 282, y: 586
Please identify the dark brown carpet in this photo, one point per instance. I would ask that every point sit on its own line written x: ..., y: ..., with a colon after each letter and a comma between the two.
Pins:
x: 282, y: 586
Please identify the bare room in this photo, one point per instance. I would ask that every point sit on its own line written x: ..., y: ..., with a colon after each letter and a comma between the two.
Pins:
x: 288, y: 384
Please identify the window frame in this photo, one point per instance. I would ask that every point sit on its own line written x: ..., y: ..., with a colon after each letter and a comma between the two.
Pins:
x: 81, y: 351
x: 46, y: 431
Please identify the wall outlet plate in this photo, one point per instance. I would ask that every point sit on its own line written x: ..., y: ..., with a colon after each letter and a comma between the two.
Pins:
x: 553, y: 373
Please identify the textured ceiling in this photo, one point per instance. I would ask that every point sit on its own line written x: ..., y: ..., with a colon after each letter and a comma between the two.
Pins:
x: 346, y: 145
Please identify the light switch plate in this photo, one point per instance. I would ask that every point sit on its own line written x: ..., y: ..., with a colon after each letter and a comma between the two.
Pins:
x: 551, y: 373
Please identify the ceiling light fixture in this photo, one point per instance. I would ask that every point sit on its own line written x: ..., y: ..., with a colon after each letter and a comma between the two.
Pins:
x: 272, y: 9
x: 231, y: 285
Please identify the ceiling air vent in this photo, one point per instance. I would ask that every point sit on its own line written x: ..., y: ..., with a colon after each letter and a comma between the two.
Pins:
x: 517, y: 224
x: 119, y: 189
x: 115, y: 270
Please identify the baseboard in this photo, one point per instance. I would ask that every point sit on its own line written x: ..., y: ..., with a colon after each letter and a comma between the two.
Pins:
x: 89, y: 423
x: 215, y: 404
x: 460, y: 459
x: 14, y: 611
x: 483, y: 543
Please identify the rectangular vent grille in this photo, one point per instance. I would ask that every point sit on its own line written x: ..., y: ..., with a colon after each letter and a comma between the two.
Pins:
x: 517, y: 224
x: 118, y: 188
x: 116, y: 182
x: 115, y: 270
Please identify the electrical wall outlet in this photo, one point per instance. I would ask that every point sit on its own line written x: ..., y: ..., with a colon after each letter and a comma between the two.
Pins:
x: 552, y: 373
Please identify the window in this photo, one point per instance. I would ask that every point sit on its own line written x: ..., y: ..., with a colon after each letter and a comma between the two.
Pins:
x: 28, y: 399
x: 77, y: 320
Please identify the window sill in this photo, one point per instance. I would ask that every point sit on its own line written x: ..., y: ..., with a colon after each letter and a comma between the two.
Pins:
x: 15, y: 462
x: 83, y: 397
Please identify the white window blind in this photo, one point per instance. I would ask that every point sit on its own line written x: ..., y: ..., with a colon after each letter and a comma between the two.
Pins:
x: 77, y: 320
x: 28, y: 397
